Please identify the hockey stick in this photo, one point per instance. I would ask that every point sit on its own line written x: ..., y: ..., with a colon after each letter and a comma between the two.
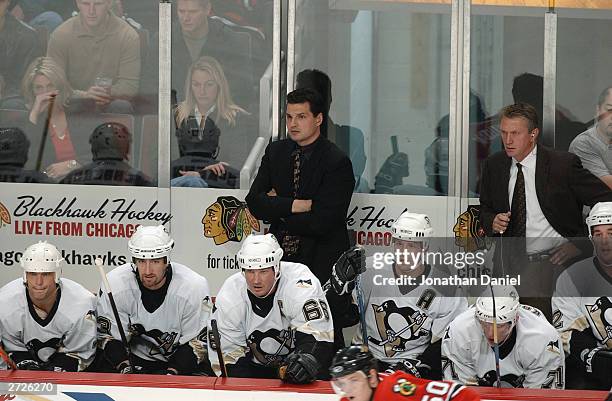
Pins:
x: 362, y: 317
x: 217, y: 340
x: 11, y: 364
x: 45, y: 133
x: 495, y: 340
x: 609, y: 397
x: 107, y: 288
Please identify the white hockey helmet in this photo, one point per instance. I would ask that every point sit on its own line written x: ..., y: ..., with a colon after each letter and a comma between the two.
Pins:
x: 150, y: 242
x: 42, y: 257
x: 413, y: 227
x: 260, y: 252
x: 506, y: 305
x: 600, y: 214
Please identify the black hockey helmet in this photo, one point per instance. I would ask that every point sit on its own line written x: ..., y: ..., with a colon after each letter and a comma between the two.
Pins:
x: 352, y: 359
x: 14, y: 146
x: 110, y: 141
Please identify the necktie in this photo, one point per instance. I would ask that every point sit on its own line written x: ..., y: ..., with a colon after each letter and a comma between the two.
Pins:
x: 291, y: 243
x: 518, y: 209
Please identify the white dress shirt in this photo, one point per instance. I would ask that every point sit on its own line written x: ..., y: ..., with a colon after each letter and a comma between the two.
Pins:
x: 541, y: 235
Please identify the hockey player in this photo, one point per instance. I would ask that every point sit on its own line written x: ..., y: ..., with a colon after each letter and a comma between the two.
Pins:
x: 405, y: 321
x: 355, y: 376
x: 47, y: 322
x: 163, y: 306
x: 273, y: 319
x: 530, y: 351
x: 582, y: 308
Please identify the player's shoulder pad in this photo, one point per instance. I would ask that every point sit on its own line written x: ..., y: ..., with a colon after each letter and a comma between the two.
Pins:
x: 12, y: 296
x: 76, y: 301
x: 122, y: 277
x: 187, y: 282
x: 535, y: 333
x: 463, y: 328
x: 233, y: 291
x: 296, y: 280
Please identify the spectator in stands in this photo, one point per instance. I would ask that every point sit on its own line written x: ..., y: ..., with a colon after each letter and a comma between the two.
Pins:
x: 348, y: 139
x: 19, y: 45
x: 47, y: 94
x: 582, y: 307
x: 37, y: 14
x: 110, y: 148
x: 197, y: 35
x: 593, y: 145
x: 14, y: 148
x: 100, y: 54
x: 209, y: 113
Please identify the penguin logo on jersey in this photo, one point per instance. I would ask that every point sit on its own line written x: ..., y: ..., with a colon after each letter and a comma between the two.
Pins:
x: 228, y: 219
x: 5, y: 216
x: 162, y: 343
x: 44, y: 350
x: 397, y: 326
x: 601, y: 316
x: 489, y: 379
x: 271, y: 348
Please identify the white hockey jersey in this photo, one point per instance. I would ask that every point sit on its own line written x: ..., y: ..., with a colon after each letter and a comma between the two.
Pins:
x: 531, y: 358
x: 154, y: 336
x: 401, y: 325
x: 583, y: 299
x: 70, y: 328
x: 299, y: 305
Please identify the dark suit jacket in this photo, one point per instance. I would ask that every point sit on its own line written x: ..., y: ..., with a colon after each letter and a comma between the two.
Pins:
x: 326, y: 179
x: 563, y: 187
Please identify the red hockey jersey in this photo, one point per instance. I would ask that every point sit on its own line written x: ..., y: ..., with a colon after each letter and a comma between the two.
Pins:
x: 402, y: 386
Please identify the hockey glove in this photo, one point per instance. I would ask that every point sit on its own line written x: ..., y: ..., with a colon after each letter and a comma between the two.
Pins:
x: 299, y: 368
x: 125, y: 368
x: 597, y: 361
x: 346, y: 269
x: 413, y: 367
x: 30, y: 364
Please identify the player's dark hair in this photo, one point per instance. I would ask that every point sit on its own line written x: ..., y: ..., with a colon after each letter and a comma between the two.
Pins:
x: 310, y: 96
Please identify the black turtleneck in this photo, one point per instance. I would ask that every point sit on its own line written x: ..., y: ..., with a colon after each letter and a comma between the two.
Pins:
x: 152, y: 299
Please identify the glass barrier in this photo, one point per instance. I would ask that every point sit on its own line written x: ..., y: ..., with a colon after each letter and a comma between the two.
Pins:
x: 583, y: 122
x: 507, y: 58
x: 71, y: 96
x: 220, y: 51
x: 389, y: 68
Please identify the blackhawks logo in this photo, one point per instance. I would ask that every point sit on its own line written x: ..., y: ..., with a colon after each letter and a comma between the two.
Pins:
x: 404, y: 387
x: 228, y: 219
x: 469, y: 234
x: 5, y: 216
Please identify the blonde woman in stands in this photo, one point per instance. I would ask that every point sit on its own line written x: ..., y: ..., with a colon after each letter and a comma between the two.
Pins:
x: 209, y: 113
x: 53, y: 116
